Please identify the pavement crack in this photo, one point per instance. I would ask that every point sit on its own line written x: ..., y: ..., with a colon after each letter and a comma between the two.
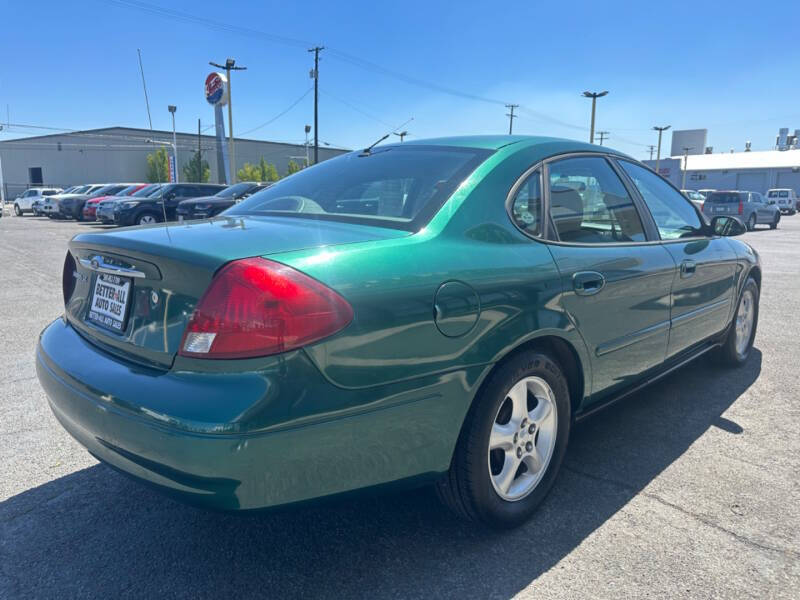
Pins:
x: 698, y: 517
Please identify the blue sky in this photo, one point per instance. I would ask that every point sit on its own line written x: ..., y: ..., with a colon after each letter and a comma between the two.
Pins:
x: 730, y: 67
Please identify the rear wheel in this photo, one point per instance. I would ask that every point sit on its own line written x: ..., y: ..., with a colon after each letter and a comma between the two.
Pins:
x: 739, y: 342
x: 751, y: 222
x: 775, y: 221
x: 511, y: 445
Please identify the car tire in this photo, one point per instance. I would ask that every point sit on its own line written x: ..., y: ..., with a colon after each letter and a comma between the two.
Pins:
x: 738, y: 344
x: 474, y: 487
x: 146, y: 218
x: 18, y: 210
x: 775, y: 221
x: 751, y: 222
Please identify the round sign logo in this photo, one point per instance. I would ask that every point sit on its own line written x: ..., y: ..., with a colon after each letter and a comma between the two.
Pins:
x: 216, y: 89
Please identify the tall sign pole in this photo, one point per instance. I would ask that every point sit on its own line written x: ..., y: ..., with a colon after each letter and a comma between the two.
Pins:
x: 230, y: 65
x: 216, y: 90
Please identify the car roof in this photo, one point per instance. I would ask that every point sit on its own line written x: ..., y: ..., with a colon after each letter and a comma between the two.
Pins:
x: 496, y: 142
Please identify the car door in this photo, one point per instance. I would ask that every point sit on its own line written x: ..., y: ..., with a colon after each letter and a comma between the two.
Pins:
x: 703, y: 291
x: 616, y: 281
x: 763, y: 214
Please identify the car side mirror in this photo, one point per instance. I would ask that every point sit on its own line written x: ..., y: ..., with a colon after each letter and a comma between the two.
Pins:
x: 727, y: 226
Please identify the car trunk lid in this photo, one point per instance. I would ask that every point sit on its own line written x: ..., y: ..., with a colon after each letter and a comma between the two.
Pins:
x: 133, y: 291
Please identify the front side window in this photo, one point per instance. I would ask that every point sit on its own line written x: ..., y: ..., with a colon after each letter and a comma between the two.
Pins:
x: 526, y: 207
x: 589, y: 203
x: 396, y: 186
x: 675, y: 217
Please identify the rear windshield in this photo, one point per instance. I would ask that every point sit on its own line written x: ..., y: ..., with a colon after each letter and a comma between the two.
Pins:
x: 723, y: 198
x: 49, y: 193
x: 234, y: 190
x: 400, y: 187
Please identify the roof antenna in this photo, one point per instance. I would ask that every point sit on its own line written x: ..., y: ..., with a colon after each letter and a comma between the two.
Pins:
x: 368, y: 150
x: 150, y: 120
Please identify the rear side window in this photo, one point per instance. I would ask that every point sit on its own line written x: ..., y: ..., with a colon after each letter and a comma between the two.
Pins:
x: 526, y: 207
x: 49, y: 193
x: 589, y: 203
x: 674, y: 215
x: 724, y: 198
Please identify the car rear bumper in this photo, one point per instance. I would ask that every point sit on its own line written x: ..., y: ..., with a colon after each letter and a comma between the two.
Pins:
x: 252, y: 439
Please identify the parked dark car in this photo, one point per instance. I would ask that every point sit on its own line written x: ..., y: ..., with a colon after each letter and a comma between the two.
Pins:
x: 52, y: 206
x: 90, y: 206
x: 150, y: 210
x: 433, y: 312
x: 209, y: 206
x: 71, y: 206
x: 105, y: 208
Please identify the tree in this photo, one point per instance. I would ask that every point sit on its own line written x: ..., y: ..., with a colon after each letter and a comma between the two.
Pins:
x: 263, y: 171
x: 249, y: 172
x: 196, y: 170
x: 292, y: 168
x: 268, y: 171
x: 158, y: 166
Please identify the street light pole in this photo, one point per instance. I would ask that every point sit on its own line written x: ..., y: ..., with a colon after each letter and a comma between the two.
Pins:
x: 660, y: 130
x: 172, y: 108
x: 230, y: 65
x: 594, y: 96
x: 685, y: 162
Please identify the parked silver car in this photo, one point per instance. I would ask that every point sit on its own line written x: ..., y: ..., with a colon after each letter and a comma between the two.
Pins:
x: 749, y: 207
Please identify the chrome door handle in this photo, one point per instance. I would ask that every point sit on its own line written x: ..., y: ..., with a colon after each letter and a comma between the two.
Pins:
x: 586, y: 283
x: 688, y: 267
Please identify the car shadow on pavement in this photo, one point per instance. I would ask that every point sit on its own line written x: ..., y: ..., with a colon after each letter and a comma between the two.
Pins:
x: 96, y: 533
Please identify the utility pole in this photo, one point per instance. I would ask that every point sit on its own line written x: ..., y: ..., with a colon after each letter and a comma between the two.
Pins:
x: 172, y: 108
x: 230, y: 65
x: 685, y: 162
x: 308, y: 130
x: 315, y: 76
x: 510, y: 116
x: 652, y: 149
x: 594, y: 96
x: 603, y: 135
x: 660, y: 130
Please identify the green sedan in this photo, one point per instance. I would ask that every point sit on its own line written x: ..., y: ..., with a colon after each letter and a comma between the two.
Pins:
x: 437, y: 312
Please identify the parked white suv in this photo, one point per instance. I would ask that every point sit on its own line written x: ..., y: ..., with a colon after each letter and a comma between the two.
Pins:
x: 784, y: 198
x: 24, y: 202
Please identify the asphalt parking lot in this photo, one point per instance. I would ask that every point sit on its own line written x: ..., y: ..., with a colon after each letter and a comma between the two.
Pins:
x: 688, y: 489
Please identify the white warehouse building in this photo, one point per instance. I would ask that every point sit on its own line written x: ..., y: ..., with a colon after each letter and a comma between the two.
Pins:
x: 119, y: 154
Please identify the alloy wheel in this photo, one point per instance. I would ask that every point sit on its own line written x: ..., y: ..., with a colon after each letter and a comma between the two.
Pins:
x: 146, y: 219
x: 522, y: 438
x: 744, y: 322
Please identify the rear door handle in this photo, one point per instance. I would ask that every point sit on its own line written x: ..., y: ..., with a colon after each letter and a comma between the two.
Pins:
x: 586, y: 283
x: 688, y: 268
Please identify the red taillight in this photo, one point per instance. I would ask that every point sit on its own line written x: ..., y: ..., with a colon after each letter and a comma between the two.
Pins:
x: 257, y: 307
x: 741, y: 207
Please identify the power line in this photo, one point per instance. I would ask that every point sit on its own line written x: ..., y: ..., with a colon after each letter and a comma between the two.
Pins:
x: 325, y: 92
x: 280, y: 114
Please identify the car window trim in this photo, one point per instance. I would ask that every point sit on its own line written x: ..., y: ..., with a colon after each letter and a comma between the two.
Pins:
x: 705, y: 224
x: 509, y: 204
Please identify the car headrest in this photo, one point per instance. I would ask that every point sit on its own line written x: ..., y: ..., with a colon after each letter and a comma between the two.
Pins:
x: 566, y: 209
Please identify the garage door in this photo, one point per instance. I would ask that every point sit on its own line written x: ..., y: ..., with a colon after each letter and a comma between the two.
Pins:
x: 752, y: 182
x: 789, y: 180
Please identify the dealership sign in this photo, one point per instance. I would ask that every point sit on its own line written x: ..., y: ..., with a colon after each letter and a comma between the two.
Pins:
x: 216, y: 89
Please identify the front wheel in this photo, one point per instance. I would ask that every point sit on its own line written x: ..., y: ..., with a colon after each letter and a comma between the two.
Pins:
x: 17, y: 210
x: 738, y: 343
x: 751, y: 222
x: 511, y: 445
x: 146, y: 219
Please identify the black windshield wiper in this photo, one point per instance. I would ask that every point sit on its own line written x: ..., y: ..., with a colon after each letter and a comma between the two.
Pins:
x: 366, y: 151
